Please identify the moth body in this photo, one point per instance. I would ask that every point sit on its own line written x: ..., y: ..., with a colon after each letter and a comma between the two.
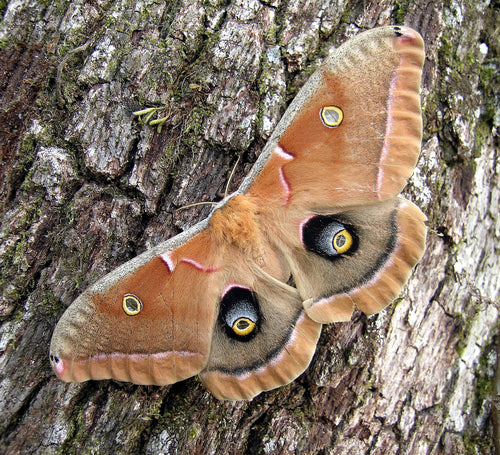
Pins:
x: 316, y: 230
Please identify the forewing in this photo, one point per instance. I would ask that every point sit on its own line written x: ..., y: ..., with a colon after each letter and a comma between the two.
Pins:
x: 166, y: 341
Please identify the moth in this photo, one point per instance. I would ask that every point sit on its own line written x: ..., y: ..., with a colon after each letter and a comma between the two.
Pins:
x: 315, y: 230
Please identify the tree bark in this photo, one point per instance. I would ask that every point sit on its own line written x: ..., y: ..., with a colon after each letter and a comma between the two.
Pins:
x: 85, y: 187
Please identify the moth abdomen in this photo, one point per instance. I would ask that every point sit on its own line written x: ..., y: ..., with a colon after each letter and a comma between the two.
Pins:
x: 235, y: 223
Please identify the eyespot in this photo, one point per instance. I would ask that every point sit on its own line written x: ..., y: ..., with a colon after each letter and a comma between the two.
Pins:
x: 131, y: 304
x: 342, y: 241
x: 331, y: 116
x: 328, y: 236
x: 239, y: 313
x: 243, y: 326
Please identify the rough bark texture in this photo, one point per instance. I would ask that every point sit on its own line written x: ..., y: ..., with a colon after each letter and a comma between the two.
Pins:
x: 84, y: 187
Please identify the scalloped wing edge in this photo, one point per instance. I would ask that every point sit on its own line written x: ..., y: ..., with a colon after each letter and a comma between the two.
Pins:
x: 287, y: 365
x: 387, y: 283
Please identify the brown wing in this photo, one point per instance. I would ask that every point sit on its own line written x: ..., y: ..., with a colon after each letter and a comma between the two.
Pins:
x: 318, y: 181
x: 374, y: 79
x: 173, y: 295
x: 278, y: 349
x: 218, y: 301
x: 347, y: 146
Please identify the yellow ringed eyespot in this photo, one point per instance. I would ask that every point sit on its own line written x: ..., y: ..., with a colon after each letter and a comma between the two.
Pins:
x: 331, y: 116
x: 131, y: 304
x: 342, y: 241
x: 243, y: 326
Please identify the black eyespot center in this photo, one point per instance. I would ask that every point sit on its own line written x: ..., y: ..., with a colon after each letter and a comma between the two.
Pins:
x: 242, y: 324
x: 131, y: 304
x: 340, y: 240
